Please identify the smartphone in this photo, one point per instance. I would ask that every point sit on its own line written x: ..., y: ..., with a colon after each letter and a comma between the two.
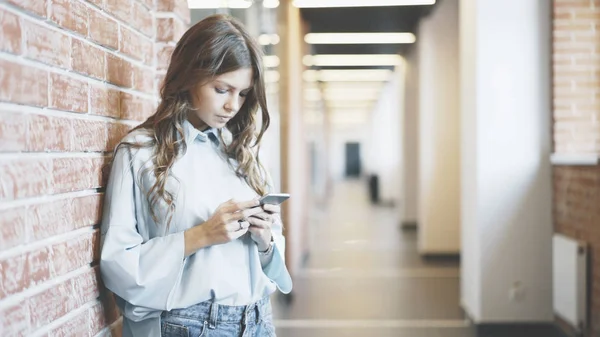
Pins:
x: 274, y: 198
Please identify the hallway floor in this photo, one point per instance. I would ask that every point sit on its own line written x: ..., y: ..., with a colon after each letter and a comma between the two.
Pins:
x: 364, y: 277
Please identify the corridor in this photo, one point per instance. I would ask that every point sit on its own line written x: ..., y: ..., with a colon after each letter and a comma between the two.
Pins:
x: 364, y: 277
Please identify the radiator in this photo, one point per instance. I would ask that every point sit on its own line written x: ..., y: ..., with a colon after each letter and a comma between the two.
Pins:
x: 569, y: 259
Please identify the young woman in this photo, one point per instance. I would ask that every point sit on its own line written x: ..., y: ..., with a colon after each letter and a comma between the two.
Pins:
x: 186, y: 248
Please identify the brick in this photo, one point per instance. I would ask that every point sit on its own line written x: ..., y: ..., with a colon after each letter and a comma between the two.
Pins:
x: 39, y: 266
x: 22, y: 178
x: 165, y: 29
x: 49, y: 133
x: 143, y: 79
x: 87, y: 210
x: 119, y: 71
x: 71, y: 15
x: 90, y: 136
x: 88, y: 60
x: 121, y: 9
x: 76, y: 326
x: 85, y: 286
x: 136, y: 46
x: 14, y: 275
x: 165, y: 5
x: 52, y: 304
x: 23, y: 84
x: 169, y: 29
x: 116, y: 132
x: 49, y: 219
x: 37, y: 7
x: 96, y: 317
x: 135, y: 107
x: 13, y: 131
x: 182, y: 10
x: 10, y: 30
x: 103, y: 30
x: 13, y: 230
x: 14, y: 320
x: 76, y: 174
x: 105, y: 101
x: 164, y: 56
x: 71, y: 255
x: 68, y: 94
x: 46, y: 45
x: 142, y: 19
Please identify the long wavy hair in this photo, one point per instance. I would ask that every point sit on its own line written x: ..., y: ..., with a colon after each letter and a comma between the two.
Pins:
x: 216, y: 45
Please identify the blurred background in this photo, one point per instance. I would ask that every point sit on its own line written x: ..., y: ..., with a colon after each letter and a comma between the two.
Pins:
x: 442, y: 158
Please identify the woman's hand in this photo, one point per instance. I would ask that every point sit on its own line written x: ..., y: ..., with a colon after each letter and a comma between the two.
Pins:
x: 260, y: 225
x: 229, y: 222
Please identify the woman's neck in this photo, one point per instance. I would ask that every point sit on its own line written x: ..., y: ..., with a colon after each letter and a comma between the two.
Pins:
x: 197, y: 122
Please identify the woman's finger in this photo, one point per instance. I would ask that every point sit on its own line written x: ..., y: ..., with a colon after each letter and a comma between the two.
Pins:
x: 259, y: 223
x: 272, y: 208
x: 235, y: 226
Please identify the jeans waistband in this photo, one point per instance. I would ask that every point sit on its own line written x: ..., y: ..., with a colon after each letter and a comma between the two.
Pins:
x: 214, y: 313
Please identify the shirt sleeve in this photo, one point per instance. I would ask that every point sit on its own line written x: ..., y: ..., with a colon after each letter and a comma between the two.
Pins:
x: 143, y: 274
x: 276, y: 269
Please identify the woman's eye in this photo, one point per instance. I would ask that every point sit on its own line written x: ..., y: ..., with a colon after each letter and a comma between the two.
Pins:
x: 243, y: 94
x: 220, y: 91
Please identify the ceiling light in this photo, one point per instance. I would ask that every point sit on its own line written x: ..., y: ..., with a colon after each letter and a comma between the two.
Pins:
x: 348, y: 60
x: 270, y: 3
x: 271, y: 76
x: 271, y: 61
x: 359, y: 3
x: 359, y: 38
x: 351, y: 75
x: 268, y: 39
x: 219, y: 3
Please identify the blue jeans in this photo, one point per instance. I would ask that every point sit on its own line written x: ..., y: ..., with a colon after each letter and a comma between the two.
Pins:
x: 208, y: 319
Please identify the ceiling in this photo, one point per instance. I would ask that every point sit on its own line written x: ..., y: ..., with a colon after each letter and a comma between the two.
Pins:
x: 390, y: 19
x: 361, y: 20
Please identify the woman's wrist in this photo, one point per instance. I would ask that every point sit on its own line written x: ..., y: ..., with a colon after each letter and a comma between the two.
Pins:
x: 195, y: 239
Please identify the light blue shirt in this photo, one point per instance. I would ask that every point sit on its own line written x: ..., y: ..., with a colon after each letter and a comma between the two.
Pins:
x: 143, y: 263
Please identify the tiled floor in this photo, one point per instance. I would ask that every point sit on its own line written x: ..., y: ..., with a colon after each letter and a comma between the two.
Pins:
x: 365, y: 278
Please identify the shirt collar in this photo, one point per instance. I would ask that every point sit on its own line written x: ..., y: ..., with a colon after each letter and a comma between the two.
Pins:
x: 191, y: 134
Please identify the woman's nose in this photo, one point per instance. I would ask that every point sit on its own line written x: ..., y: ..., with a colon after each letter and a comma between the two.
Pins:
x: 232, y: 104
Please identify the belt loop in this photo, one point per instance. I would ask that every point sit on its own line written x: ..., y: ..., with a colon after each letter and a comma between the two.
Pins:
x: 214, y: 311
x: 258, y: 312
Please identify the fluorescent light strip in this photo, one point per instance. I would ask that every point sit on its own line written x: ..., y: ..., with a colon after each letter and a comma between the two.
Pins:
x: 268, y: 39
x: 354, y: 75
x: 359, y: 38
x: 205, y: 4
x: 349, y: 60
x: 271, y: 61
x: 270, y: 3
x: 359, y: 3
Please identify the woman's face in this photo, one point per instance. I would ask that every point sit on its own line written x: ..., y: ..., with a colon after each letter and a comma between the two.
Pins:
x: 219, y: 100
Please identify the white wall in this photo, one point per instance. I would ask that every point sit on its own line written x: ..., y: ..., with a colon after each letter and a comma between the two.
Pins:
x: 340, y: 135
x: 409, y: 147
x: 507, y: 192
x: 385, y: 138
x: 470, y: 253
x: 439, y: 123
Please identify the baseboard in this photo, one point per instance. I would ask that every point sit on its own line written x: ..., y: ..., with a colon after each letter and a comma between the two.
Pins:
x: 566, y: 328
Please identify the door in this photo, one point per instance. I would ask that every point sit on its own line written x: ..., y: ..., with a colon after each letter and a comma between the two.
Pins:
x: 352, y: 160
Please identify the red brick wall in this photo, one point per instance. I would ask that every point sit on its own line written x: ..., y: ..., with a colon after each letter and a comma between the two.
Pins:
x: 576, y: 83
x: 74, y: 77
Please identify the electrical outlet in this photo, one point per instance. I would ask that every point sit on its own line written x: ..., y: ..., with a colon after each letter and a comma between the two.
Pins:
x: 516, y: 292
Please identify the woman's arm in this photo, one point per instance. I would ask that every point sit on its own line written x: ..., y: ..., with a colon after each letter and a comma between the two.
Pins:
x: 142, y: 273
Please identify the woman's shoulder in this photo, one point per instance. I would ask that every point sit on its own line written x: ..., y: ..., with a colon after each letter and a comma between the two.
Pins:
x: 138, y: 143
